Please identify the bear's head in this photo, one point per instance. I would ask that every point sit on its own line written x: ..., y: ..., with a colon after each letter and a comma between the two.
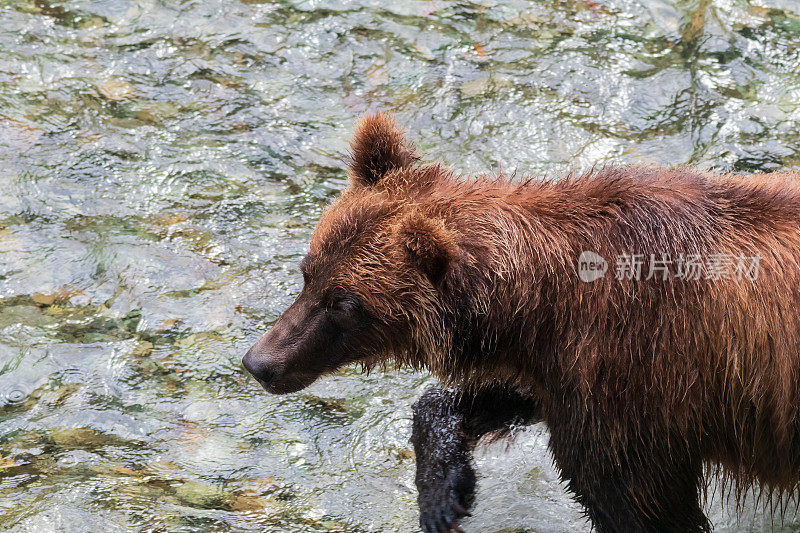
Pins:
x: 375, y: 274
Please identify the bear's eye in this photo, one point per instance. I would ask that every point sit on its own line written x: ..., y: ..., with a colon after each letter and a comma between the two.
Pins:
x: 343, y: 307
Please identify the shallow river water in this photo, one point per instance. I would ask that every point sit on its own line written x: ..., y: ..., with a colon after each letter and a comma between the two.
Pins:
x: 162, y: 165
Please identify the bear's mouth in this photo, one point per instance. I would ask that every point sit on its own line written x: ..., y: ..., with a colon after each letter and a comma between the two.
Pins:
x: 286, y: 384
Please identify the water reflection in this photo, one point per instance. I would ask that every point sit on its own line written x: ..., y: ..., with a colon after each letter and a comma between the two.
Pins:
x: 163, y: 164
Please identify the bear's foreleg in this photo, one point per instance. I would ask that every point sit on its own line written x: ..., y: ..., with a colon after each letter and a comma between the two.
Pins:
x: 650, y: 483
x: 447, y: 425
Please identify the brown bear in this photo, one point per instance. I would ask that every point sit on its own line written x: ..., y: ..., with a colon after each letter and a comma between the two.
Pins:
x: 668, y: 353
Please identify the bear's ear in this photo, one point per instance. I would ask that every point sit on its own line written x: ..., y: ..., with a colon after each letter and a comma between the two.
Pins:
x: 378, y: 147
x: 427, y: 244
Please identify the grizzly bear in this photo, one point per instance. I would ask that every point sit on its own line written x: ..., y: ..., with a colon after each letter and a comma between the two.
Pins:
x: 648, y: 316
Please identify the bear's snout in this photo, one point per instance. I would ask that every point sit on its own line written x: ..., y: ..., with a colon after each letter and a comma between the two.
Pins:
x: 296, y: 350
x: 259, y: 368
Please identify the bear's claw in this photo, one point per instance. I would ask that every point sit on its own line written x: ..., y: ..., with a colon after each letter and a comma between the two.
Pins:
x: 443, y: 515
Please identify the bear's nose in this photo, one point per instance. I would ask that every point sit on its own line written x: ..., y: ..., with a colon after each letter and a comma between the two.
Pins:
x: 258, y: 367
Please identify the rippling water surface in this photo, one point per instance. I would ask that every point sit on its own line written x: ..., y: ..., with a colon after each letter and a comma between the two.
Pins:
x: 162, y: 165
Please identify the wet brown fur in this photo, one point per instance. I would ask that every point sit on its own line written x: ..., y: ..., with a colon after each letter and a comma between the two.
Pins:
x: 475, y: 279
